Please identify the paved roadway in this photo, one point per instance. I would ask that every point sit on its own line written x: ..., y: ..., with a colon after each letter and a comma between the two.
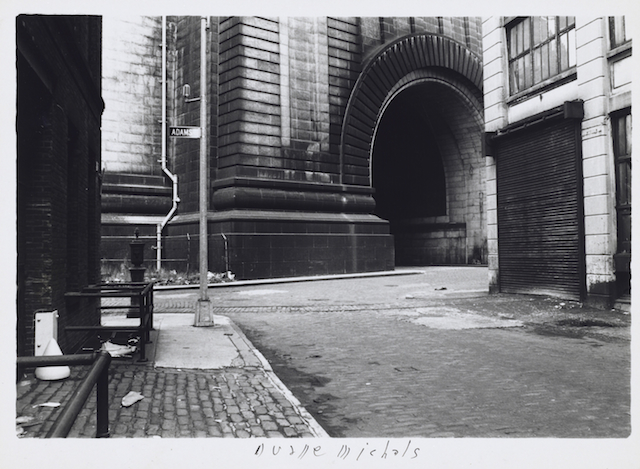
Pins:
x: 432, y: 355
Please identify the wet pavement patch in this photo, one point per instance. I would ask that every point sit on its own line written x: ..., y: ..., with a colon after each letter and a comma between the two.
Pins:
x: 585, y: 322
x: 551, y: 330
x: 602, y: 330
x: 454, y: 319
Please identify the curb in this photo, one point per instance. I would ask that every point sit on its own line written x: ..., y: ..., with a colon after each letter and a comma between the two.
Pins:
x: 314, y: 427
x: 268, y: 281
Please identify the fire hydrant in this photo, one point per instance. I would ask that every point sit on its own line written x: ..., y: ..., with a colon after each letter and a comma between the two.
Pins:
x: 137, y: 259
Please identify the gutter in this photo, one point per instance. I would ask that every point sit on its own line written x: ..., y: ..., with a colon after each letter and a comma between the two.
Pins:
x: 173, y: 177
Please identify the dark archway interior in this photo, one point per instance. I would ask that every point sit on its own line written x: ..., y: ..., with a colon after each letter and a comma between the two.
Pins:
x: 408, y: 174
x: 422, y: 167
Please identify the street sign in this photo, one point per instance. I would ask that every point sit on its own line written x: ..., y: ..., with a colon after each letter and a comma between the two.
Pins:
x: 184, y: 131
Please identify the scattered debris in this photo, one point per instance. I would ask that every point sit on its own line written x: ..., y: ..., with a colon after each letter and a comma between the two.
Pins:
x: 133, y: 341
x: 166, y: 277
x: 23, y: 419
x: 131, y: 398
x: 47, y: 404
x: 116, y: 350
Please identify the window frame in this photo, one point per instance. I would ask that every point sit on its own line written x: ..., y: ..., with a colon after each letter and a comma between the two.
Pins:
x: 531, y: 51
x: 622, y: 157
x: 615, y: 21
x: 617, y: 51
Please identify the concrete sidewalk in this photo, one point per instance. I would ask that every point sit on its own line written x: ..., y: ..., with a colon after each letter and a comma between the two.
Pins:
x: 177, y: 343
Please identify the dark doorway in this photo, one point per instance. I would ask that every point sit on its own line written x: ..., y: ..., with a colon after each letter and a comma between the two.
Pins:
x: 408, y: 174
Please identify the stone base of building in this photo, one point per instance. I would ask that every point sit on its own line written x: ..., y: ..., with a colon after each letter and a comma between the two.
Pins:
x: 254, y: 244
x: 420, y: 244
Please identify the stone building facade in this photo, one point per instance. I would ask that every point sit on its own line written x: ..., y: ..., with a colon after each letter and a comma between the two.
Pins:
x: 58, y: 172
x: 557, y: 96
x: 335, y: 144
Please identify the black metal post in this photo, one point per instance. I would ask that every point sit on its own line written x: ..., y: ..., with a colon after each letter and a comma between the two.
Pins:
x: 102, y: 402
x: 63, y: 424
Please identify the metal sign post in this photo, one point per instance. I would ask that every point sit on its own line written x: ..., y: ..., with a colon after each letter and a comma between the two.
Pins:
x: 203, y: 316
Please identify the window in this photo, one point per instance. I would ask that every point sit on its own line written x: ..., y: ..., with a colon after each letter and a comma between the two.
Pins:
x: 620, y: 66
x: 539, y: 48
x: 621, y: 126
x: 617, y: 31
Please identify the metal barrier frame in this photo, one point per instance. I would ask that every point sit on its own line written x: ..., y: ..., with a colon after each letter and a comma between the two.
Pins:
x: 98, y: 375
x: 140, y: 293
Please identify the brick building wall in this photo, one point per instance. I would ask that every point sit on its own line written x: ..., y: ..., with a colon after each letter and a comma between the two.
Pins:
x: 58, y: 230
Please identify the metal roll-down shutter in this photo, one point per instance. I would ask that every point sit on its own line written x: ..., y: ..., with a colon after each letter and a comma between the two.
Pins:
x: 540, y: 216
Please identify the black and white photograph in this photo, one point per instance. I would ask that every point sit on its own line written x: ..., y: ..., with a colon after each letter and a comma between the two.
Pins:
x: 318, y: 237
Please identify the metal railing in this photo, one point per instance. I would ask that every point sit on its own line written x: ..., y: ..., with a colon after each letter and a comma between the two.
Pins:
x: 98, y: 375
x: 141, y: 295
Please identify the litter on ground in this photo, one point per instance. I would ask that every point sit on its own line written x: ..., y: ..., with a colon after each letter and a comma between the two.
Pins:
x: 116, y: 350
x: 131, y: 398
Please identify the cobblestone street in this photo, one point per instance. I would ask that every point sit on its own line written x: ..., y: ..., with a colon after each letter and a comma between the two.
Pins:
x: 432, y: 356
x: 379, y: 373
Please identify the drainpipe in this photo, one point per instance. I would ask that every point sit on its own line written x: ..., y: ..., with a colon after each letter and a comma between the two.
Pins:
x: 173, y: 177
x: 226, y: 252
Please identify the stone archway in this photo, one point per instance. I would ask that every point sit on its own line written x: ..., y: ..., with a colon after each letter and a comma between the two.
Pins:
x: 415, y: 121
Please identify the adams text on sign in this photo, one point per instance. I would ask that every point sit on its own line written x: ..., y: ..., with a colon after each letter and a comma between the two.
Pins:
x: 184, y: 131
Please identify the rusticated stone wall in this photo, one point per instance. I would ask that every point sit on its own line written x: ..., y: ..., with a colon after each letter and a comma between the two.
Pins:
x: 291, y: 189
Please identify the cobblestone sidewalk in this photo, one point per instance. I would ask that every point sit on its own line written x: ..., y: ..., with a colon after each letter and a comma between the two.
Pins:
x: 234, y: 402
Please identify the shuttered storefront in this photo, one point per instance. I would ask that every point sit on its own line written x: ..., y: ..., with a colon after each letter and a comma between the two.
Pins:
x: 540, y: 216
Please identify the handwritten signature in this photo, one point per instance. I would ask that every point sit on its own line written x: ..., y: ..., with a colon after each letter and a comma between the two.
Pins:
x: 390, y: 451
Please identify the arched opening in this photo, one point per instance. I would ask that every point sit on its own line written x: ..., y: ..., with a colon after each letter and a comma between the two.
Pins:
x: 408, y: 174
x: 427, y: 172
